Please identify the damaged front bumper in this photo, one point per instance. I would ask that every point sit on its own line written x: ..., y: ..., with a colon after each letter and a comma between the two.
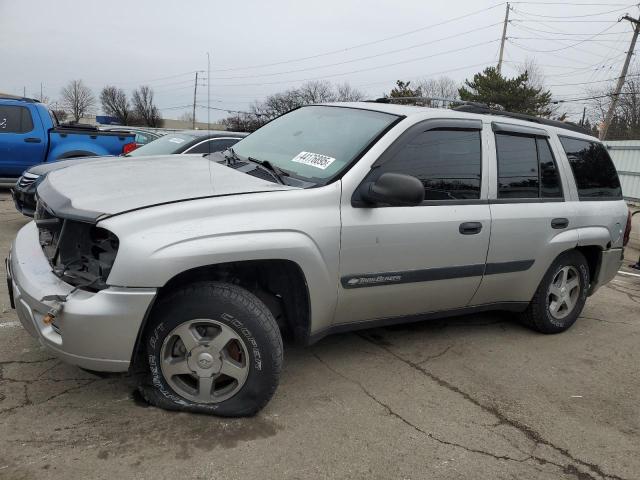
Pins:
x: 94, y: 330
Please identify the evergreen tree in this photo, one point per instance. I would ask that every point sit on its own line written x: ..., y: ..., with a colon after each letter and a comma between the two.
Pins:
x: 512, y: 94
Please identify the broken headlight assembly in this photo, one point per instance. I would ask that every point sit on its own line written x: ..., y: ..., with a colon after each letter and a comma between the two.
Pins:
x: 80, y: 253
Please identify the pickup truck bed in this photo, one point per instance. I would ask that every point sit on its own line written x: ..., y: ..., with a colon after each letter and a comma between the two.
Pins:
x: 30, y: 134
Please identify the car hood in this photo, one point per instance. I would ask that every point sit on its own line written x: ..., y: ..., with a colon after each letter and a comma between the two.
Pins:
x: 44, y: 168
x: 91, y: 191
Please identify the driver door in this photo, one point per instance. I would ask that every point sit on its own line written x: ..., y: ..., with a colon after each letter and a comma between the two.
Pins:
x: 399, y: 261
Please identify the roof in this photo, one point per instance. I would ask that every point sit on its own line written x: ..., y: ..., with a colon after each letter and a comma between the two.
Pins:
x: 8, y: 96
x: 210, y: 133
x: 420, y: 113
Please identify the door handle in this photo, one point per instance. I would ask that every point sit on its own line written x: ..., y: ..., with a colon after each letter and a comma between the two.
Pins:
x: 559, y: 223
x: 470, y: 228
x: 32, y: 140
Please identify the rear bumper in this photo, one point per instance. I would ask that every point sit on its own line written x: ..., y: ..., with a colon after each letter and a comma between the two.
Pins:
x: 611, y: 262
x: 96, y: 331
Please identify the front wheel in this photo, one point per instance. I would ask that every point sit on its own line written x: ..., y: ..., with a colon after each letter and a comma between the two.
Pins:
x: 561, y: 295
x: 213, y: 348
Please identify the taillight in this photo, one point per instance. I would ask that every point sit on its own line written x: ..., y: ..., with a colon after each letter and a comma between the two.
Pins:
x: 129, y: 147
x: 627, y: 230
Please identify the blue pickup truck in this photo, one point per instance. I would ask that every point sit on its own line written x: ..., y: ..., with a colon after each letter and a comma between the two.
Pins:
x: 31, y: 134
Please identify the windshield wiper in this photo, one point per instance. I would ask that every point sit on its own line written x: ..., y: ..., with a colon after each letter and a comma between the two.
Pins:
x: 277, y: 172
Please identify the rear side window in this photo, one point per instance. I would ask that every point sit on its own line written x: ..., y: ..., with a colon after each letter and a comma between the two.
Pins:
x: 447, y: 162
x: 15, y: 119
x: 593, y: 170
x: 526, y: 168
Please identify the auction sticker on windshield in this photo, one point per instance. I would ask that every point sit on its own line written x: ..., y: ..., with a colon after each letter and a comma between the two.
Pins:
x: 314, y: 160
x: 176, y: 140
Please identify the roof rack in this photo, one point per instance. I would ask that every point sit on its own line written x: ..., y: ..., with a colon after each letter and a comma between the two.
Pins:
x: 483, y: 109
x: 6, y: 96
x: 427, y: 99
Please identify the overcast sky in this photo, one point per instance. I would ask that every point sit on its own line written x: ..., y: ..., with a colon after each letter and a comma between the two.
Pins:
x: 259, y: 47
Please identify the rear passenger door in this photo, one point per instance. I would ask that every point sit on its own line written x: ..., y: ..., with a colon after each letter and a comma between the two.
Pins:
x: 22, y: 140
x: 531, y: 223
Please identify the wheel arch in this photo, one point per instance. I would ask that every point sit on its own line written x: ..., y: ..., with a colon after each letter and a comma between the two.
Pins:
x: 279, y: 283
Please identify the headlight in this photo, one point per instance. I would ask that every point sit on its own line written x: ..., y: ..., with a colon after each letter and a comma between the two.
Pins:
x: 80, y: 253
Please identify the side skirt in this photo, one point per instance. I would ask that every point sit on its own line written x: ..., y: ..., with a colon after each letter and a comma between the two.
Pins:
x: 388, y: 321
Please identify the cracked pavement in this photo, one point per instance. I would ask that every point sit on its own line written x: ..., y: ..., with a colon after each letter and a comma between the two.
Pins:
x: 462, y: 398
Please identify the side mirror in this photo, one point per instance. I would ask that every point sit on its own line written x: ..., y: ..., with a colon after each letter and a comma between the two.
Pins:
x: 394, y: 189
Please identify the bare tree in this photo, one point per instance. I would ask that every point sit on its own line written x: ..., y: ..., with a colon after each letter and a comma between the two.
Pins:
x: 115, y: 103
x: 144, y: 108
x: 280, y: 103
x: 346, y: 93
x: 41, y: 98
x: 535, y: 76
x: 186, y: 117
x: 442, y: 87
x: 625, y: 123
x: 77, y: 98
x: 317, y: 91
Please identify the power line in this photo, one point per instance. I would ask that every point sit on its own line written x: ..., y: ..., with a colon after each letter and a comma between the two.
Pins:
x: 431, y: 74
x: 574, y: 3
x: 368, y: 57
x: 573, y: 45
x: 574, y: 16
x: 466, y: 47
x: 588, y: 83
x: 366, y: 44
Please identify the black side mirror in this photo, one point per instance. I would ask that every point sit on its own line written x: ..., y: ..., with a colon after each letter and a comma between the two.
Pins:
x: 394, y: 189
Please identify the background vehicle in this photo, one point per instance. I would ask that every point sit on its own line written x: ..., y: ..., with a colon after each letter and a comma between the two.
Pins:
x: 327, y: 219
x: 192, y: 142
x: 142, y: 135
x: 189, y: 141
x: 30, y: 134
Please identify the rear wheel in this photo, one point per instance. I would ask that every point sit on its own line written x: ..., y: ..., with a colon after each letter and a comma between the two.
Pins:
x: 561, y: 295
x: 212, y: 348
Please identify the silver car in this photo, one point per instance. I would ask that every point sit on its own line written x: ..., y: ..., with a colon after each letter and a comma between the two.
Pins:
x: 330, y: 218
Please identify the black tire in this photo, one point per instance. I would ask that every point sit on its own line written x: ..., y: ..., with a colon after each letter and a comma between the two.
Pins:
x: 238, y: 309
x: 538, y: 315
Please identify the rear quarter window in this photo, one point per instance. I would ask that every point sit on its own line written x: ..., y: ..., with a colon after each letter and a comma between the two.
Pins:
x: 15, y: 119
x: 595, y: 175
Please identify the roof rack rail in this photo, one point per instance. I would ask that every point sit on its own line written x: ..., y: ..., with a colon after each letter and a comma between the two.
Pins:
x: 427, y: 99
x: 6, y: 96
x: 521, y: 116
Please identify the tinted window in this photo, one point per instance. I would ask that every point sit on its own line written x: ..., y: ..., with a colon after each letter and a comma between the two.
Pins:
x: 166, y: 145
x: 213, y: 146
x: 15, y: 119
x: 517, y: 166
x: 447, y: 162
x: 315, y: 142
x: 593, y: 170
x: 550, y: 186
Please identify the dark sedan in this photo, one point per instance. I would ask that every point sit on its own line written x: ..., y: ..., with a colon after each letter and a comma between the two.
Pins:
x: 197, y: 142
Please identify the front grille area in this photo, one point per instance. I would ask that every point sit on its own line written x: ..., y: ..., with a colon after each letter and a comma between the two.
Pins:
x: 27, y: 180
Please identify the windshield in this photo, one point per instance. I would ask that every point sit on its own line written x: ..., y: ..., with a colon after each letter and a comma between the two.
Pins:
x: 166, y: 145
x: 315, y: 143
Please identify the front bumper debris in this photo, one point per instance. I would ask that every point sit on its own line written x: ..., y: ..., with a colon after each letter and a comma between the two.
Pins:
x: 94, y: 330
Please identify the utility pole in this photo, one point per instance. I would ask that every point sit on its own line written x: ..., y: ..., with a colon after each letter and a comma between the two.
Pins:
x: 504, y: 38
x: 623, y: 75
x: 195, y: 90
x: 584, y: 114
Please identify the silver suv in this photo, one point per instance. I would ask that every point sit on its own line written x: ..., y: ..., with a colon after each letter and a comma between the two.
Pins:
x: 330, y: 218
